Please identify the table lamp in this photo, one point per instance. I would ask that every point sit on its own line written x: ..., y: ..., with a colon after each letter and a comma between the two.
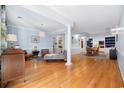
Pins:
x: 11, y: 38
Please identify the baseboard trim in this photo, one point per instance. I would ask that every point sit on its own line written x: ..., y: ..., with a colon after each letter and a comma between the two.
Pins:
x: 120, y: 73
x: 68, y: 64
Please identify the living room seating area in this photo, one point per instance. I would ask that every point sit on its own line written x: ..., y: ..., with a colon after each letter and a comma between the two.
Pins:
x: 45, y: 54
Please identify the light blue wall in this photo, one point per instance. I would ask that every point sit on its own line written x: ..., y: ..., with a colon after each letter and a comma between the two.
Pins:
x: 120, y: 46
x: 24, y: 38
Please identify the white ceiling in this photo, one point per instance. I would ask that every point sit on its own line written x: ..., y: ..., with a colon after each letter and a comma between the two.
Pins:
x: 88, y: 19
x: 93, y: 19
x: 31, y: 19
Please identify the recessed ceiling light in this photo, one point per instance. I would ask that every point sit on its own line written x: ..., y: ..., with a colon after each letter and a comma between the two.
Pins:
x: 19, y: 17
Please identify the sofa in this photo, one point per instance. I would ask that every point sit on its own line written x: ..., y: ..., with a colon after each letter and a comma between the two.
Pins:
x: 51, y: 57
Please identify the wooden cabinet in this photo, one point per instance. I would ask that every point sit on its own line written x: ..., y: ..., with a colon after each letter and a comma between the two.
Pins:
x: 12, y: 65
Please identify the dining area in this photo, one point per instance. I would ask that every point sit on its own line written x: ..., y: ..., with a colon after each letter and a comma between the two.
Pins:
x: 92, y: 51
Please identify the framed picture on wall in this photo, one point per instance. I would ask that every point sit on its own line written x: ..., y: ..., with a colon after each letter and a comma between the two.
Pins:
x: 35, y: 39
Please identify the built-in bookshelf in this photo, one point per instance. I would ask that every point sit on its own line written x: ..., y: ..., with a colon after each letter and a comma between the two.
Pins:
x: 110, y: 41
x: 58, y: 44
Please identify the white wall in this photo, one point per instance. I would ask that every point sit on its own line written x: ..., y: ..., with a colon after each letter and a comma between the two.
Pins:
x: 84, y: 38
x: 120, y: 46
x: 24, y: 38
x: 76, y: 44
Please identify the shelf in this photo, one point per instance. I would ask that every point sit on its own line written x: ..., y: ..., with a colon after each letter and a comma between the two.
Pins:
x: 110, y: 41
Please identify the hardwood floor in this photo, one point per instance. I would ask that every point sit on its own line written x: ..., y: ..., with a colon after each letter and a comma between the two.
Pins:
x: 84, y: 73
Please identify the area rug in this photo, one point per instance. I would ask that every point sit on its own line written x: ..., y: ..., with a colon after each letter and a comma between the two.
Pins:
x: 37, y: 59
x: 100, y: 57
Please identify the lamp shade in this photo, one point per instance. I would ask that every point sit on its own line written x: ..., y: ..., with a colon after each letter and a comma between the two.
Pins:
x: 11, y: 37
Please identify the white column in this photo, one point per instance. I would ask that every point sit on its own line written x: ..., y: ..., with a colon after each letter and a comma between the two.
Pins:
x: 68, y: 45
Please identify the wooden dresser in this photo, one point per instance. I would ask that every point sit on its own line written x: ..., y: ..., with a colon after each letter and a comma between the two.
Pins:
x: 12, y: 65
